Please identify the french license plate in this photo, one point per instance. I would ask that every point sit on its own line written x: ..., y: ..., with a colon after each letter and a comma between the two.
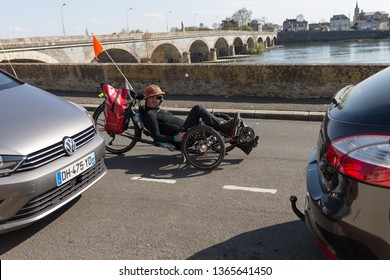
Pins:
x: 75, y: 169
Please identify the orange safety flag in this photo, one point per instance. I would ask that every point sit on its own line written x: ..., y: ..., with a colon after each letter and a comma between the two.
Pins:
x: 97, y: 47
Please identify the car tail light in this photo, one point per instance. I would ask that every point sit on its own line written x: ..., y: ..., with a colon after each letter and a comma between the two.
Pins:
x: 363, y: 157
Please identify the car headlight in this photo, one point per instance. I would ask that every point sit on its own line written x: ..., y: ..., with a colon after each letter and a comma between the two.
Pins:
x: 9, y: 164
x: 91, y: 118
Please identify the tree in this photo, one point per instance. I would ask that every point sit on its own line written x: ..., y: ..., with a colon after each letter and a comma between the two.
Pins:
x: 262, y: 20
x: 229, y: 24
x: 216, y: 26
x: 300, y: 17
x: 242, y: 16
x: 123, y: 31
x: 246, y: 27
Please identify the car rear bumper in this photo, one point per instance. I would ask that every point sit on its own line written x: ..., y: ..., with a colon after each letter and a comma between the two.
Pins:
x: 345, y: 236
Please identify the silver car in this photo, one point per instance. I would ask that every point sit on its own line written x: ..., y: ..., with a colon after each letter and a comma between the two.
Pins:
x: 50, y: 153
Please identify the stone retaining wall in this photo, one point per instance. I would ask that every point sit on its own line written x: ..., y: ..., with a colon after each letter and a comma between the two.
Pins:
x: 281, y: 81
x: 301, y: 37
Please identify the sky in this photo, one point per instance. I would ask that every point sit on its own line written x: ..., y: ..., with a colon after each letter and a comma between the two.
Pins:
x: 41, y: 18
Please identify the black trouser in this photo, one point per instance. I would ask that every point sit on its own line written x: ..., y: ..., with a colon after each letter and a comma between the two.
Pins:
x: 197, y: 112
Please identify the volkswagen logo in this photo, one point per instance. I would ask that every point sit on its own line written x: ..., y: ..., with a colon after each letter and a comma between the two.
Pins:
x: 69, y: 146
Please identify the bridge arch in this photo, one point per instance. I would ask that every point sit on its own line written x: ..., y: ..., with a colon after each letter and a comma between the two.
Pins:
x: 222, y: 47
x: 166, y: 53
x: 199, y: 51
x: 251, y: 43
x: 23, y: 60
x: 238, y: 45
x: 268, y: 42
x: 118, y: 55
x: 28, y: 57
x: 260, y: 40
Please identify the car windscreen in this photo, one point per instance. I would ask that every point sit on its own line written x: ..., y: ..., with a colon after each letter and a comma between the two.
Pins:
x: 7, y: 81
x: 368, y: 102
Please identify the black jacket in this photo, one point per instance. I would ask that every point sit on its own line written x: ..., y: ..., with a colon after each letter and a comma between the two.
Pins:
x: 162, y: 124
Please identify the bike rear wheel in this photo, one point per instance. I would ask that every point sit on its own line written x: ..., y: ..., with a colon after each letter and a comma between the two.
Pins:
x: 116, y: 143
x: 203, y: 147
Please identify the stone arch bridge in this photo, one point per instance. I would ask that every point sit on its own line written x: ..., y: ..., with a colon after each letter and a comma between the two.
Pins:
x: 178, y: 47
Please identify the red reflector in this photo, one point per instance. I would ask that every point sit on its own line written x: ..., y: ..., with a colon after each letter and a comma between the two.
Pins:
x: 326, y: 251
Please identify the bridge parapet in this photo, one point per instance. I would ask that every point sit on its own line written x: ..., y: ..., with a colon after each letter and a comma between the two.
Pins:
x: 67, y: 40
x: 174, y: 47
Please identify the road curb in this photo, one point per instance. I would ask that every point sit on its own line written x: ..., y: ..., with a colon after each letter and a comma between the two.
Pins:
x: 251, y: 114
x: 263, y: 114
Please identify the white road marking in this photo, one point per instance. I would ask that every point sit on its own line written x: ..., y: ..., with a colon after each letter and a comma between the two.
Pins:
x: 165, y: 181
x: 259, y: 190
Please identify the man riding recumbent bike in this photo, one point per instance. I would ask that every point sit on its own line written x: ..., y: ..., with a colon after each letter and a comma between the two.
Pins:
x: 203, y: 137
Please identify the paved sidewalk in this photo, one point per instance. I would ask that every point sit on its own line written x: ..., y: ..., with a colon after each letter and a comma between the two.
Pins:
x: 249, y: 107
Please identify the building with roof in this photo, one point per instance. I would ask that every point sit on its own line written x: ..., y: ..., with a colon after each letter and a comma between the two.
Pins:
x: 378, y: 20
x: 340, y: 23
x: 321, y: 26
x: 294, y: 25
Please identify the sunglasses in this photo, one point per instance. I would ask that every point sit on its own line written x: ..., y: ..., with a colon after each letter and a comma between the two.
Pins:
x: 159, y: 97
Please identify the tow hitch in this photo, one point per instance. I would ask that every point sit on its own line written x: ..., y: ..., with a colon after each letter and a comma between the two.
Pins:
x: 300, y: 215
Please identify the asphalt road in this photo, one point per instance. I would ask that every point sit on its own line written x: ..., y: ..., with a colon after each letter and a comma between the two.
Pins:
x: 241, y: 210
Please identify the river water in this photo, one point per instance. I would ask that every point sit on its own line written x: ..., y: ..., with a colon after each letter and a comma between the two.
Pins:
x: 362, y: 51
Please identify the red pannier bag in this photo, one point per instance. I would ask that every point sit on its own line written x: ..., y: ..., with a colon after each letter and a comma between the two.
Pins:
x: 116, y: 109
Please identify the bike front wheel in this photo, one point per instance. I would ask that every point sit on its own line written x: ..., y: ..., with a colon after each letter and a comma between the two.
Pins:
x: 203, y: 147
x: 116, y: 143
